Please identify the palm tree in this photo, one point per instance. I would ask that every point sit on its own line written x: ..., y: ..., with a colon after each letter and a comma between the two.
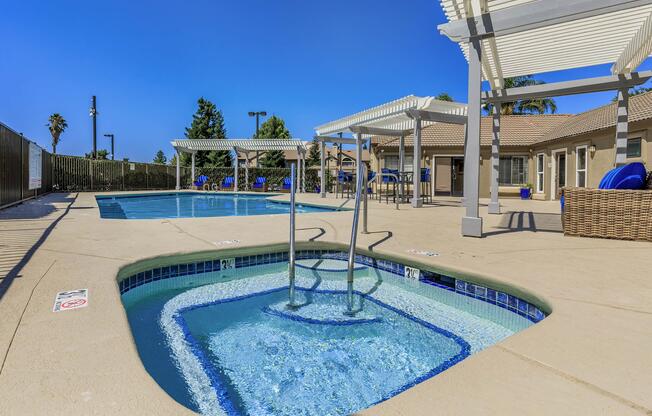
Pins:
x: 533, y: 106
x: 57, y: 125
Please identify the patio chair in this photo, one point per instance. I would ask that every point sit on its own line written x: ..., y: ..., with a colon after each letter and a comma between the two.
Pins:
x: 345, y: 180
x: 201, y: 182
x: 228, y: 184
x: 388, y: 181
x: 287, y: 185
x: 425, y: 184
x: 260, y: 185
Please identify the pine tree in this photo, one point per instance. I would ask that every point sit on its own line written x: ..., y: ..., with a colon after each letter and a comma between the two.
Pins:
x: 273, y: 128
x: 207, y: 124
x: 160, y: 158
x: 314, y: 154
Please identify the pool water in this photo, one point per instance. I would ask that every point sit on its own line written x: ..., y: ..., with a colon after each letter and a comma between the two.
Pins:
x: 193, y: 205
x: 225, y: 343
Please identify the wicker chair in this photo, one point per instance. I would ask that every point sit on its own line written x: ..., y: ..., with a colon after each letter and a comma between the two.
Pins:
x: 608, y: 213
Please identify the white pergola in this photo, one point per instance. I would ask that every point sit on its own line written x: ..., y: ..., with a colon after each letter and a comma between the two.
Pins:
x: 245, y: 146
x: 396, y: 118
x: 508, y: 38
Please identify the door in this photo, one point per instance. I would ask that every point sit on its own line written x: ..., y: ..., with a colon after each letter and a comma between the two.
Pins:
x: 443, y: 175
x: 559, y: 173
x: 458, y: 176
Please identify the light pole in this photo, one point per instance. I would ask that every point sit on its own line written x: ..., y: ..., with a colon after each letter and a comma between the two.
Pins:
x: 112, y: 137
x: 257, y: 114
x: 93, y: 113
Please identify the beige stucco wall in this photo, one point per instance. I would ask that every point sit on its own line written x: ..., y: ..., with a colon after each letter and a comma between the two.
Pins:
x: 599, y: 162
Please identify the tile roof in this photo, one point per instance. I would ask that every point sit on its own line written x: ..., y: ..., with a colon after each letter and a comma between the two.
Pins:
x: 525, y: 130
x: 640, y: 108
x: 515, y: 130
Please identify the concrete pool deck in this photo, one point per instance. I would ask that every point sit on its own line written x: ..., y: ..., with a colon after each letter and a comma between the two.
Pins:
x: 591, y: 356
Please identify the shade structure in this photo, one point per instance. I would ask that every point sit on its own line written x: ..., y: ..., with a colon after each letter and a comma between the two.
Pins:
x: 391, y: 116
x: 244, y: 146
x: 508, y: 38
x: 397, y: 119
x: 522, y: 37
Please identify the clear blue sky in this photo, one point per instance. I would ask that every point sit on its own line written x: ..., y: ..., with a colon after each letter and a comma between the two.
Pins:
x: 306, y: 61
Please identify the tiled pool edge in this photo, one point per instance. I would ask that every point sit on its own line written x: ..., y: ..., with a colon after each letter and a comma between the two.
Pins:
x: 483, y: 293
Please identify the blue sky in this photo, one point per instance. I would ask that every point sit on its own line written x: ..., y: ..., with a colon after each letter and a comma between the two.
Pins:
x: 306, y: 61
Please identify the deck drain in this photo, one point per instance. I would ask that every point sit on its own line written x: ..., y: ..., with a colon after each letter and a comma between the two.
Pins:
x: 422, y: 252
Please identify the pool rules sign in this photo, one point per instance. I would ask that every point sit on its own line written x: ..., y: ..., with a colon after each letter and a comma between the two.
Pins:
x: 35, y: 166
x: 72, y: 299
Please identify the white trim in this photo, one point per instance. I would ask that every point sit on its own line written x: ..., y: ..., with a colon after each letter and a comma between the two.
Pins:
x: 553, y: 171
x: 586, y: 165
x: 543, y: 173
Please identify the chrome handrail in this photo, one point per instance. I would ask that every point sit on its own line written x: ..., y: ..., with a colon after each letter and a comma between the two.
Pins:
x: 354, y: 234
x: 292, y: 255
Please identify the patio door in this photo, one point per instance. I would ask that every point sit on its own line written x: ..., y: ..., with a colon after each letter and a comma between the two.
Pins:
x: 443, y: 175
x: 558, y: 173
x: 458, y: 176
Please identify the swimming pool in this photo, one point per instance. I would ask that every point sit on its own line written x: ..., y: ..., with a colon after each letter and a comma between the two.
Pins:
x: 193, y: 205
x: 218, y: 337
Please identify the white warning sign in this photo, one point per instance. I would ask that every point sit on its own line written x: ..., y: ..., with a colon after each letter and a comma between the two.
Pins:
x: 72, y: 299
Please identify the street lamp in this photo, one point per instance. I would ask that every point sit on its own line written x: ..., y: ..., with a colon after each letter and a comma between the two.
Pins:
x: 112, y: 137
x: 257, y: 114
x: 93, y: 114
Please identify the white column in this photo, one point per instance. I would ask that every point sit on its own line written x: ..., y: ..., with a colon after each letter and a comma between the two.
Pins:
x: 246, y: 171
x: 622, y: 127
x: 471, y: 222
x: 192, y: 170
x: 303, y: 173
x: 235, y: 172
x: 417, y: 201
x: 322, y: 165
x: 178, y: 170
x: 494, y: 205
x: 401, y: 163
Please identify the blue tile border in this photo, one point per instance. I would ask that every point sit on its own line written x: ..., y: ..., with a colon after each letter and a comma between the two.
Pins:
x: 486, y: 294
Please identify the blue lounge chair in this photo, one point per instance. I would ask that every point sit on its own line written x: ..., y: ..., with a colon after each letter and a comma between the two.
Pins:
x: 203, y: 179
x: 260, y: 184
x: 287, y: 185
x: 228, y: 183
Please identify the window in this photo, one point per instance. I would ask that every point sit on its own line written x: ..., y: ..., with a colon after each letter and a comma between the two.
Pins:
x: 580, y: 166
x: 540, y: 169
x: 512, y: 170
x: 391, y: 162
x: 634, y: 148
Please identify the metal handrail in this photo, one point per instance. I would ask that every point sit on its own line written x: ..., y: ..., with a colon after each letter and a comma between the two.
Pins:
x: 354, y: 237
x: 292, y: 256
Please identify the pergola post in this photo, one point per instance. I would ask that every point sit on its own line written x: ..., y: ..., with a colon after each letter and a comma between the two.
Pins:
x: 471, y: 222
x: 417, y: 201
x: 322, y: 165
x: 192, y: 169
x: 622, y: 126
x: 494, y: 205
x: 235, y: 171
x: 178, y: 186
x: 246, y: 171
x: 298, y: 172
x: 401, y: 162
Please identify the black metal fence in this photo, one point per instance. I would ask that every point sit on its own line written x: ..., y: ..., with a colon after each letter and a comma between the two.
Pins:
x: 14, y: 169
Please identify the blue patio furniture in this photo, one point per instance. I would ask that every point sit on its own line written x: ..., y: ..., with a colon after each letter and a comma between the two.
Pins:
x: 228, y: 183
x: 260, y: 184
x: 425, y: 174
x: 287, y: 185
x: 201, y: 181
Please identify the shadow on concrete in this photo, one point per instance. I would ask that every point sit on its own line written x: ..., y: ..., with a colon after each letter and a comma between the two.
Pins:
x: 36, y: 208
x: 382, y: 240
x: 21, y: 237
x: 519, y: 221
x: 321, y: 232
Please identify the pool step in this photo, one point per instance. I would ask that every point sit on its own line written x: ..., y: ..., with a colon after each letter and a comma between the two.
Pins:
x: 328, y: 269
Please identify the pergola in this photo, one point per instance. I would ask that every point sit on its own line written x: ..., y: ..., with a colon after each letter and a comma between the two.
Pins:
x: 245, y: 146
x: 508, y: 38
x: 393, y: 119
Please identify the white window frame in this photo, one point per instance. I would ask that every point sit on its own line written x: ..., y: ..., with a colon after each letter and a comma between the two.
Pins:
x: 641, y: 141
x: 541, y: 170
x: 586, y: 165
x: 553, y: 172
